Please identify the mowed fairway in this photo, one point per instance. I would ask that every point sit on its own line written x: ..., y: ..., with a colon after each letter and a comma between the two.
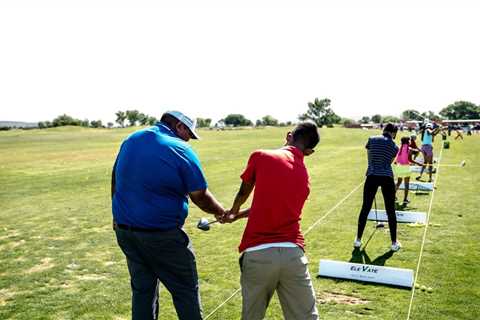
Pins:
x: 59, y: 258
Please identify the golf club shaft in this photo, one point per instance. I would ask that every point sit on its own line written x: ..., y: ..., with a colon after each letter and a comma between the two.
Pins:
x: 212, y: 222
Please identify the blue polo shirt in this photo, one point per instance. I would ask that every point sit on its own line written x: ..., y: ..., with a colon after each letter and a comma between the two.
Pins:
x: 154, y: 172
x: 381, y: 152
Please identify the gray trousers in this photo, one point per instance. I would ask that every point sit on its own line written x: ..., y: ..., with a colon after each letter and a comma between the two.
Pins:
x: 284, y: 270
x: 165, y: 257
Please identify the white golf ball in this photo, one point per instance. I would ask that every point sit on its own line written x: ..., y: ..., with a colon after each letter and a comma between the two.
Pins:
x: 423, y: 288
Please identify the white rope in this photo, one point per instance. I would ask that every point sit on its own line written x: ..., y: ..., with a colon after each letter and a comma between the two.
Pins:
x: 305, y: 233
x: 424, y: 236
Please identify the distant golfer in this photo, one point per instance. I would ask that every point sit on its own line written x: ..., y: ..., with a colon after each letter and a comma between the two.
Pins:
x: 272, y: 255
x: 381, y: 153
x: 402, y: 167
x: 428, y: 135
x: 154, y: 174
x: 413, y: 146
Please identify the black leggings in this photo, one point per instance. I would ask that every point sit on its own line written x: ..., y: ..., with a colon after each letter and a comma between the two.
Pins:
x: 369, y: 190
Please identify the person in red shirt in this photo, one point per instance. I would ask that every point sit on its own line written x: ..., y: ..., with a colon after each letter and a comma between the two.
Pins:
x: 272, y: 247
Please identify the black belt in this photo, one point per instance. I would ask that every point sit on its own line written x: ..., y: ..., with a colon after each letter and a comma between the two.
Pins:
x: 131, y: 228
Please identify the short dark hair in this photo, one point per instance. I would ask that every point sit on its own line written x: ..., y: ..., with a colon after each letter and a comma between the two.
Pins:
x: 307, y: 133
x: 390, y: 127
x: 405, y: 140
x: 169, y: 120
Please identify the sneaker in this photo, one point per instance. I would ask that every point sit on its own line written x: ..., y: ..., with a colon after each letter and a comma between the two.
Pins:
x: 406, y: 201
x: 396, y: 246
x: 357, y: 243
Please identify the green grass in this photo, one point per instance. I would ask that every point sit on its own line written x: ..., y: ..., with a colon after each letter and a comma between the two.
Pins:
x: 59, y: 258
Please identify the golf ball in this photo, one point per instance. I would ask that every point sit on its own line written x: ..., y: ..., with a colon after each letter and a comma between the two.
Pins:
x: 423, y: 288
x: 417, y: 286
x: 430, y: 289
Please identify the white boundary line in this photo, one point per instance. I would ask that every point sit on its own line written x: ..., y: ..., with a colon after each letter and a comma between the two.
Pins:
x: 305, y: 233
x: 424, y: 234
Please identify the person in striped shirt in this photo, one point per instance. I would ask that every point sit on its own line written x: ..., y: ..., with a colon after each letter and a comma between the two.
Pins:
x: 381, y: 153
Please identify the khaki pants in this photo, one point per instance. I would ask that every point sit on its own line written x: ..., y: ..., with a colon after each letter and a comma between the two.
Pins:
x: 284, y: 270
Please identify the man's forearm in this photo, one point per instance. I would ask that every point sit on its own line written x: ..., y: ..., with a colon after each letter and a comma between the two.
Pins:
x: 207, y: 202
x: 241, y: 197
x: 113, y: 181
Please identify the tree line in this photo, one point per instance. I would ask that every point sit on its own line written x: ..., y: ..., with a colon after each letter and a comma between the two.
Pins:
x: 318, y: 111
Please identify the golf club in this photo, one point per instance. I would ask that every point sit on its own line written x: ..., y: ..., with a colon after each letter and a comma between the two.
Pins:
x: 204, y: 225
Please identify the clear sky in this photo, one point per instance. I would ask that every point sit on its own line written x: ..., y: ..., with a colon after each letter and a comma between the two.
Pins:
x: 211, y: 58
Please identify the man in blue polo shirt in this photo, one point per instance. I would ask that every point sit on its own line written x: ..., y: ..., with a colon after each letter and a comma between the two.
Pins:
x: 154, y: 174
x: 381, y: 153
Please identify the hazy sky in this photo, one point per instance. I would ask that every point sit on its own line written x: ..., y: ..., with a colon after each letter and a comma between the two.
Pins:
x: 211, y: 58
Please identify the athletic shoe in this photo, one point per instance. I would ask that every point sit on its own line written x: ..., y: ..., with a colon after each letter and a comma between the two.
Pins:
x: 357, y: 243
x: 406, y: 201
x: 396, y: 246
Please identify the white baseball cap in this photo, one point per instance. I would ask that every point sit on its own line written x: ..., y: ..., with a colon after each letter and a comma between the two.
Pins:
x: 191, y: 124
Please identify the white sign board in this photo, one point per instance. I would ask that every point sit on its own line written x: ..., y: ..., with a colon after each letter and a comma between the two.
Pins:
x: 402, y: 216
x: 416, y: 169
x: 366, y: 272
x: 418, y: 186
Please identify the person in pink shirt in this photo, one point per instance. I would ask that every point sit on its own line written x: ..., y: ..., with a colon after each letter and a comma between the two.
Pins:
x: 402, y: 166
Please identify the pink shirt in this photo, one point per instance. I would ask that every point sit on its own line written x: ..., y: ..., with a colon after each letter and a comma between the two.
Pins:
x: 402, y: 155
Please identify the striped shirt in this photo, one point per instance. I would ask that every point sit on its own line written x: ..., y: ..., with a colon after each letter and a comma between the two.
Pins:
x: 381, y: 152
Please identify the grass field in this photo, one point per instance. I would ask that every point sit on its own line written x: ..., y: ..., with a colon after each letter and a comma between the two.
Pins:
x: 59, y: 258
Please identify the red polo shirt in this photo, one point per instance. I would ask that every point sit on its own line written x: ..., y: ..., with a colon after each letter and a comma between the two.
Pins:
x: 281, y: 188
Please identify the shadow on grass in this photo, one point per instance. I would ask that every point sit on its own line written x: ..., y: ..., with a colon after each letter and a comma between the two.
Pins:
x: 421, y: 193
x: 361, y: 256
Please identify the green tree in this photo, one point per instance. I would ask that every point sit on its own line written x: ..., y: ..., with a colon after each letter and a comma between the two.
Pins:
x: 96, y: 124
x: 319, y: 111
x: 348, y: 122
x: 461, y: 110
x: 203, y: 123
x: 85, y: 123
x: 376, y: 118
x: 65, y: 120
x: 237, y: 120
x: 269, y: 121
x: 121, y: 117
x: 411, y: 114
x: 391, y: 119
x: 152, y: 120
x: 143, y: 119
x: 365, y: 120
x: 430, y: 115
x: 110, y: 125
x: 133, y: 116
x: 41, y: 125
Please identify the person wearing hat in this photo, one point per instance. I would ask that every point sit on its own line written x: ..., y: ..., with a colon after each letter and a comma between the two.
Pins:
x: 381, y: 153
x: 154, y: 175
x: 428, y: 135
